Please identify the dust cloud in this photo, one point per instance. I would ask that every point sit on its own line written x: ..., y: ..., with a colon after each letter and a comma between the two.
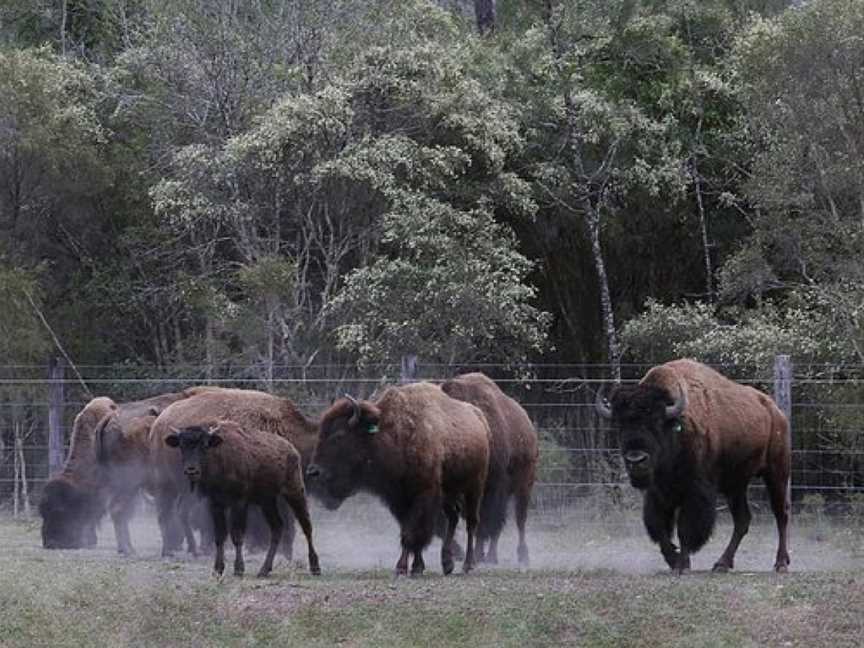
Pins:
x: 363, y: 536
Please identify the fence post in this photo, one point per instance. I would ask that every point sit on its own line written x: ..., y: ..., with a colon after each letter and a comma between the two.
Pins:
x: 408, y: 372
x: 783, y: 386
x: 783, y: 398
x: 55, y: 415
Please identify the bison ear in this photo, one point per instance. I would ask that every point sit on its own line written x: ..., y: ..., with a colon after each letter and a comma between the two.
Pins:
x: 153, y: 410
x: 371, y: 415
x: 172, y: 440
x: 214, y: 440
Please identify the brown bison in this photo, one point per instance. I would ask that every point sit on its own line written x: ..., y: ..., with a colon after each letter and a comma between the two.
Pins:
x: 687, y: 432
x: 234, y: 466
x: 74, y: 500
x: 251, y: 409
x: 513, y: 457
x: 417, y: 449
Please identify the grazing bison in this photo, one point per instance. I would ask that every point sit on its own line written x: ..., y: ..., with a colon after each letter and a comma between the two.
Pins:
x: 234, y: 466
x: 688, y: 432
x: 417, y: 449
x: 513, y: 457
x: 74, y: 500
x: 251, y: 409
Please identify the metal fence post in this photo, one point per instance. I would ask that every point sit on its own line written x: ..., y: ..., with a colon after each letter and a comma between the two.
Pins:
x: 55, y: 415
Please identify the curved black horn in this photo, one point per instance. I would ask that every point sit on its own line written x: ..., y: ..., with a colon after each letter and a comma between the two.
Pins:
x: 674, y: 410
x: 355, y: 417
x: 601, y: 406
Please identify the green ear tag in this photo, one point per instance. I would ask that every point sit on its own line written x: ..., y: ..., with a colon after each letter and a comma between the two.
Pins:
x: 372, y: 429
x: 678, y: 428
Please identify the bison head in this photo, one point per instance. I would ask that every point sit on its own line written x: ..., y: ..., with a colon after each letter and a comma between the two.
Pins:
x: 194, y: 442
x: 649, y: 423
x: 70, y: 515
x: 345, y: 450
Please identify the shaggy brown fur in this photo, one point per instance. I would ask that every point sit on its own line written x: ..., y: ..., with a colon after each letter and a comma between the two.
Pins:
x: 512, y: 460
x: 252, y: 409
x: 234, y: 466
x: 727, y: 434
x: 418, y: 450
x: 74, y: 500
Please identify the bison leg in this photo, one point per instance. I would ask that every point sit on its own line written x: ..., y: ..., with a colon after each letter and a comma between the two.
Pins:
x: 402, y: 563
x: 472, y: 519
x: 659, y: 520
x: 296, y: 499
x: 451, y: 513
x: 274, y: 521
x: 741, y: 516
x: 184, y: 509
x: 238, y: 531
x: 521, y: 500
x: 778, y: 492
x: 288, y: 532
x: 220, y: 532
x: 166, y: 502
x: 417, y: 529
x: 121, y: 508
x: 696, y: 519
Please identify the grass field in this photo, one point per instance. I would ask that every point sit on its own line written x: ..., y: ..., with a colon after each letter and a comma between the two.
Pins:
x: 590, y: 585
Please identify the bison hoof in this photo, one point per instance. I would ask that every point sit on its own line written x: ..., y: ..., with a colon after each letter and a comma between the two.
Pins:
x: 781, y: 569
x: 722, y: 568
x: 447, y: 566
x: 264, y: 573
x: 315, y: 570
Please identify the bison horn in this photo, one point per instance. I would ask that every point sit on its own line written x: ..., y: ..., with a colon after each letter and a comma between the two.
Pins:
x: 674, y: 410
x: 601, y: 406
x: 355, y: 417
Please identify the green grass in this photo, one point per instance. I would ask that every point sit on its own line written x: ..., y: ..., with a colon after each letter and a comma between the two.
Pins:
x: 95, y: 598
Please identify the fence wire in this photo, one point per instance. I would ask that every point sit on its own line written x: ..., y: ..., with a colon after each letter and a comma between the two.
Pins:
x: 580, y: 467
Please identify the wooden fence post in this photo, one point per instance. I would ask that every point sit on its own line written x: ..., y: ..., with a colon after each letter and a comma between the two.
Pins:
x: 55, y: 415
x: 408, y: 372
x: 783, y: 398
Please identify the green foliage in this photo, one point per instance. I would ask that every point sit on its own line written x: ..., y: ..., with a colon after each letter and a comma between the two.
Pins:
x: 23, y: 338
x: 731, y: 337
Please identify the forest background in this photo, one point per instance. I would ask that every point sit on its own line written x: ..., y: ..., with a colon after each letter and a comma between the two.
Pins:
x: 248, y: 185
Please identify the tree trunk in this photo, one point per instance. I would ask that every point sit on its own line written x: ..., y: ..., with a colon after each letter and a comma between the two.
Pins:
x: 63, y: 15
x: 703, y: 227
x: 591, y: 216
x: 21, y: 471
x: 613, y: 348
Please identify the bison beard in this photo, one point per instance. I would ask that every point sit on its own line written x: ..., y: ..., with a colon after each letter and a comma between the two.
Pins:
x: 687, y: 434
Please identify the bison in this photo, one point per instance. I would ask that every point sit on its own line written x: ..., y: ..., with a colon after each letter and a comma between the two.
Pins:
x: 74, y: 500
x: 513, y: 457
x: 418, y: 450
x: 254, y: 410
x: 234, y: 466
x: 687, y: 433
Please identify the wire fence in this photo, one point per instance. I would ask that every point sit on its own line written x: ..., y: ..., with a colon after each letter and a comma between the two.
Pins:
x: 580, y: 467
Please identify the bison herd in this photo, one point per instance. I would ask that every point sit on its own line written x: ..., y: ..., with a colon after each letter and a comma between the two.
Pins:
x: 217, y: 461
